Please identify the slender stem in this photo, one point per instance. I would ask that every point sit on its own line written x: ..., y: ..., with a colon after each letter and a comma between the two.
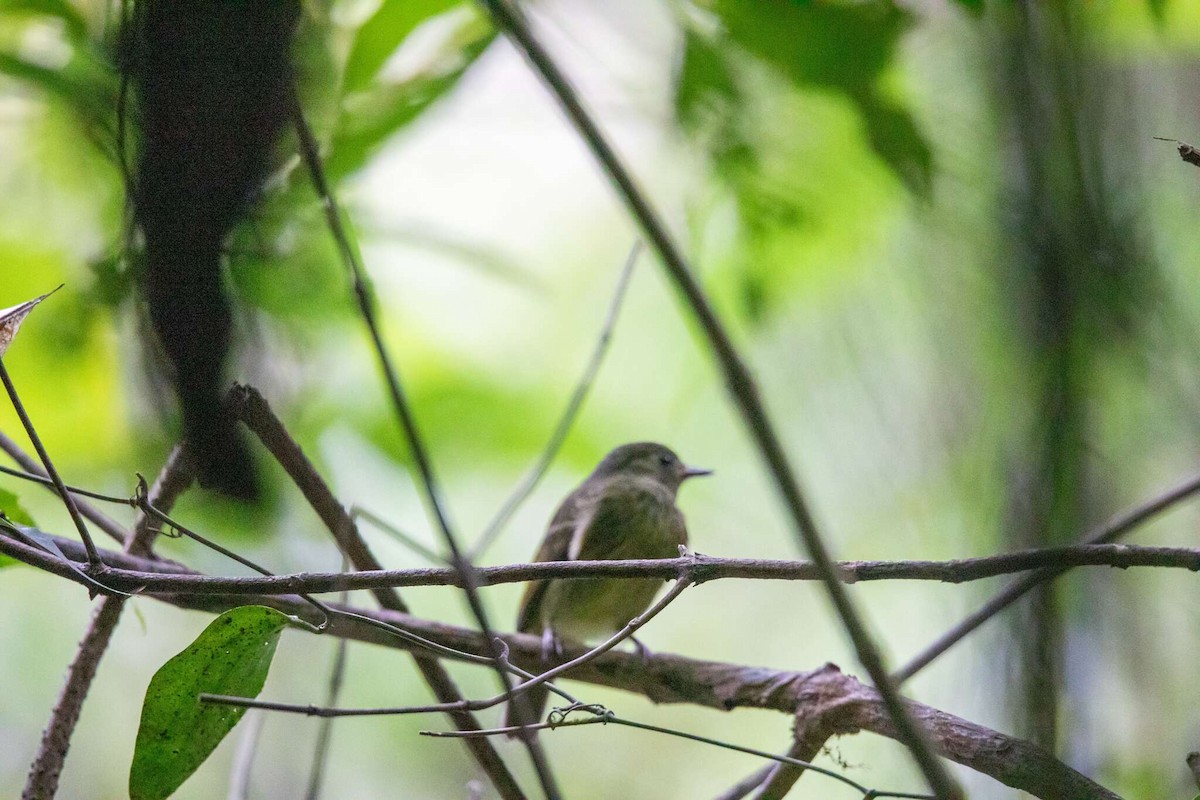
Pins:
x: 136, y: 574
x: 739, y: 382
x: 534, y: 476
x: 471, y: 705
x: 1110, y: 531
x: 258, y: 416
x: 358, y: 512
x: 34, y: 472
x: 48, y: 763
x: 243, y: 757
x: 93, y: 557
x: 605, y: 717
x: 337, y: 674
x: 310, y: 154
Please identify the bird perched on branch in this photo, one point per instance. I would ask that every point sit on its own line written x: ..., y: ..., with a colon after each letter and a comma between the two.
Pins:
x: 624, y: 510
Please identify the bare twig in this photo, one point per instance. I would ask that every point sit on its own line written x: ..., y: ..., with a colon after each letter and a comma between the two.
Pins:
x: 243, y: 757
x: 337, y: 674
x: 469, y: 705
x: 682, y: 583
x: 1187, y: 152
x: 132, y: 574
x: 1110, y: 531
x: 531, y: 479
x: 358, y: 512
x: 256, y: 414
x: 93, y: 558
x: 47, y: 765
x: 35, y: 472
x: 748, y: 784
x: 602, y: 716
x: 738, y: 379
x: 310, y: 155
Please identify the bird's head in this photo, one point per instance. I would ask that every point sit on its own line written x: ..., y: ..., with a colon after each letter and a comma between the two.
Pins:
x: 648, y: 459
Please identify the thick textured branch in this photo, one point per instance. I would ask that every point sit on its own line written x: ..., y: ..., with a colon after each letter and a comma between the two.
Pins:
x: 824, y: 694
x: 837, y: 702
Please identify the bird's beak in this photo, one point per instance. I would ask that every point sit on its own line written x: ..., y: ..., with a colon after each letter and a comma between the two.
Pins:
x: 695, y: 472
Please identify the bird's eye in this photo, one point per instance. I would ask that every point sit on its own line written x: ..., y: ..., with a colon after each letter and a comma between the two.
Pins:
x: 666, y: 460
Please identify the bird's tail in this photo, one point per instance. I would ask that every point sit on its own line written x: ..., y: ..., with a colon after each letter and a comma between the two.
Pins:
x: 526, y: 709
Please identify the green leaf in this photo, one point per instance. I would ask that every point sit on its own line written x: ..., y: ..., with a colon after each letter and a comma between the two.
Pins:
x: 10, y: 506
x: 383, y: 34
x: 847, y: 49
x: 975, y: 7
x: 74, y: 25
x: 177, y: 731
x: 11, y: 509
x: 376, y: 112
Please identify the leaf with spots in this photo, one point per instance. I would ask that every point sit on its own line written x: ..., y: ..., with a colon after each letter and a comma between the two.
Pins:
x: 177, y: 731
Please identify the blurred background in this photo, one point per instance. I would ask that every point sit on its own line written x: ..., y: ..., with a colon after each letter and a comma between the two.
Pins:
x: 942, y: 233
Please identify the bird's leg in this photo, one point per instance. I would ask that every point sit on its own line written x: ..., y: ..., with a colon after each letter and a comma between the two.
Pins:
x: 643, y: 652
x: 551, y: 645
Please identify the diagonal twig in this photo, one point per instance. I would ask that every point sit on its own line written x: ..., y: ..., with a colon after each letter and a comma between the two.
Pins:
x: 68, y: 499
x: 1108, y: 532
x: 256, y: 414
x: 531, y: 479
x: 35, y: 472
x: 51, y: 755
x: 738, y: 379
x: 310, y: 155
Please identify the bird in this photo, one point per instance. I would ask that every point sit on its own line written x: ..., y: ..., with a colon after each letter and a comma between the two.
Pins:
x: 625, y: 509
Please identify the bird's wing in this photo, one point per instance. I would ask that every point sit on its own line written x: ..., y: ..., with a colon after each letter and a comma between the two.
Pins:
x: 632, y: 518
x: 554, y: 547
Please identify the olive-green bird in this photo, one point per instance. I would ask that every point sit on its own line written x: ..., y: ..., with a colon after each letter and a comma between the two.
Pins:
x: 624, y: 510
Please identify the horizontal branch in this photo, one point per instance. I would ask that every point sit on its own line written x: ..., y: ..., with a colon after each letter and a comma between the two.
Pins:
x: 834, y: 700
x: 129, y: 573
x: 826, y: 694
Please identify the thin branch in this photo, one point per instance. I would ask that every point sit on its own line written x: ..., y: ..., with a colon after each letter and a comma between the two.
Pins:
x: 665, y: 678
x: 93, y: 558
x: 570, y: 413
x: 1110, y: 531
x: 254, y: 411
x: 337, y: 674
x: 748, y: 784
x: 133, y: 574
x: 358, y: 512
x: 603, y: 716
x: 777, y: 781
x: 51, y: 755
x: 243, y: 757
x: 738, y: 379
x: 34, y: 472
x: 469, y: 705
x: 47, y: 765
x: 310, y: 154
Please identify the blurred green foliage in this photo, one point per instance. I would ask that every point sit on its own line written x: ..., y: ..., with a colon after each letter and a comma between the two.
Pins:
x: 930, y: 230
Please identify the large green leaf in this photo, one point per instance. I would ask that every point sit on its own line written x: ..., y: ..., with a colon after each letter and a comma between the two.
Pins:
x: 375, y: 112
x: 177, y: 731
x: 383, y: 33
x: 74, y: 25
x: 842, y: 48
x: 846, y: 49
